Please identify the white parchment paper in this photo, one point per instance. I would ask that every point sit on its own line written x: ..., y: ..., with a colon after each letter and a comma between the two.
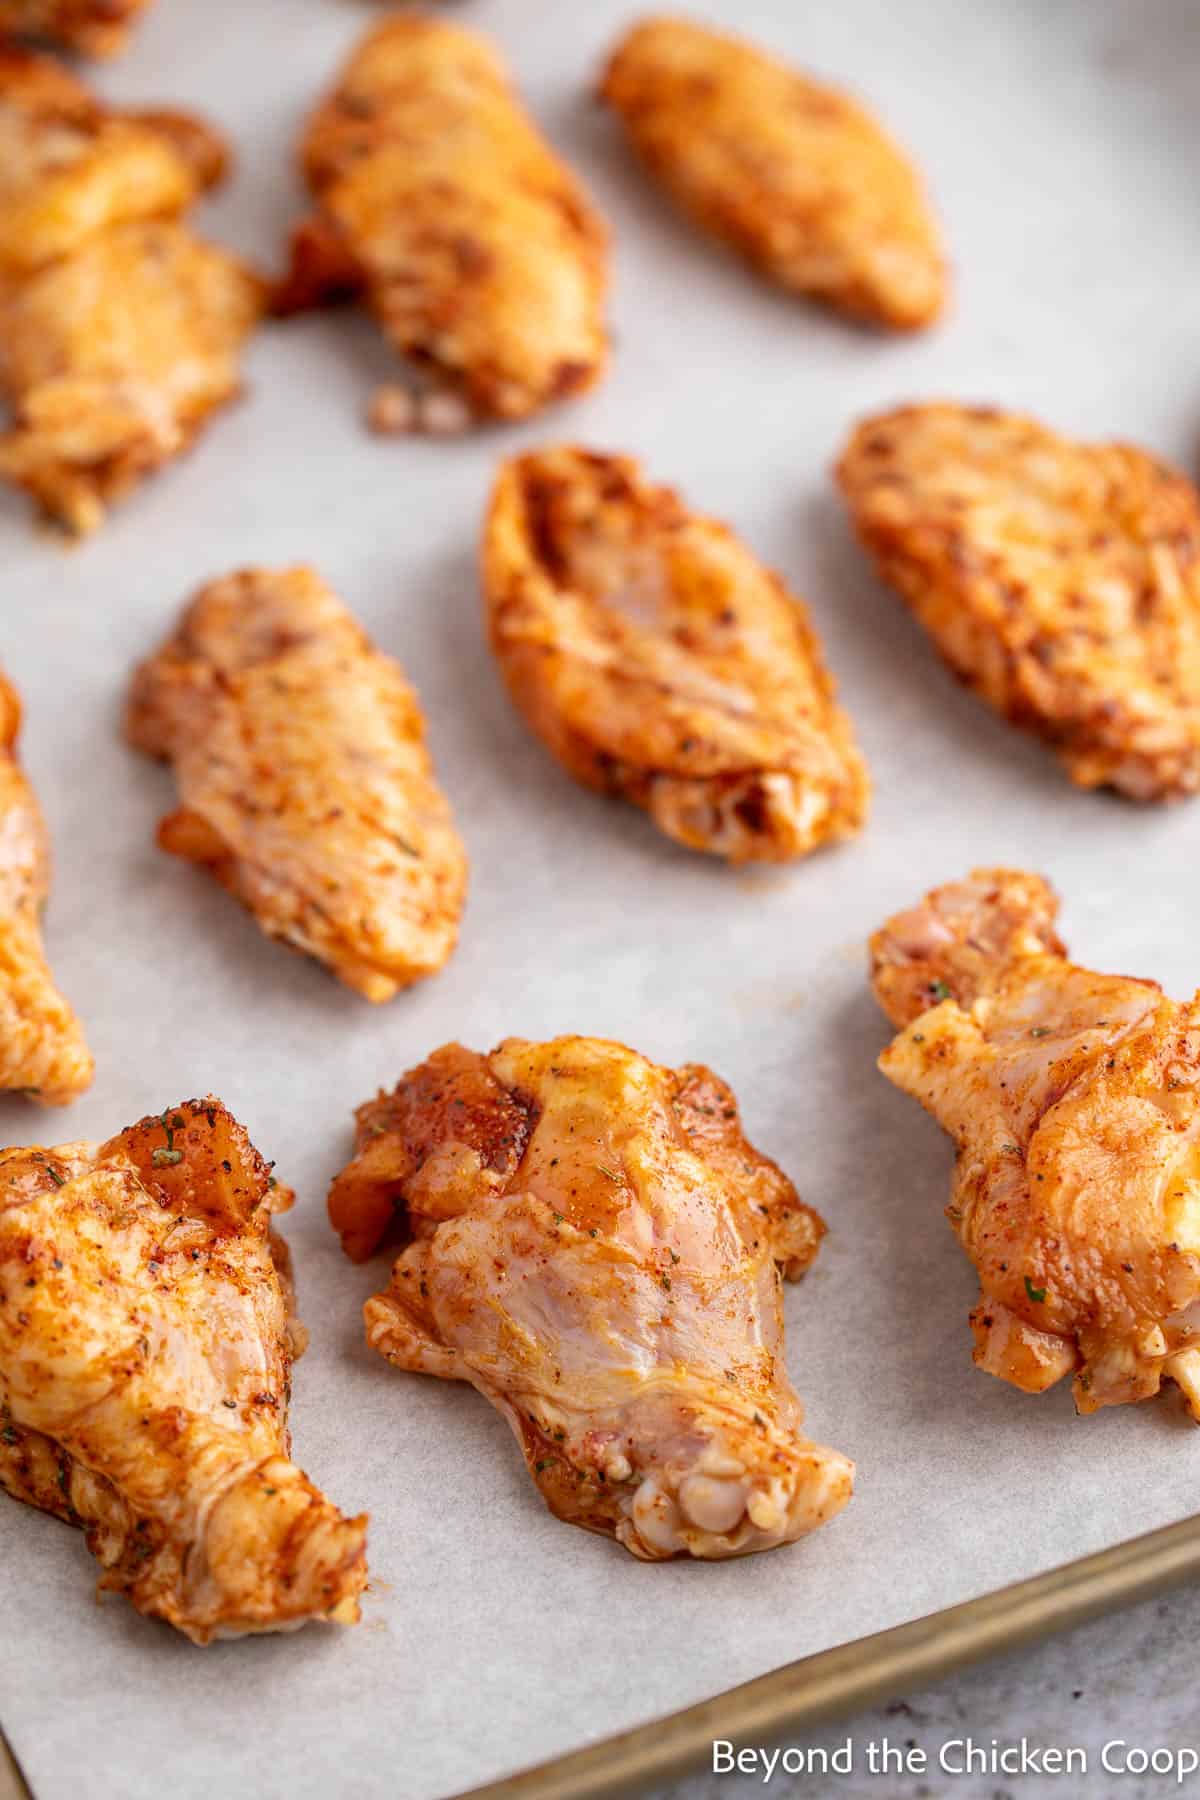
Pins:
x: 1062, y: 144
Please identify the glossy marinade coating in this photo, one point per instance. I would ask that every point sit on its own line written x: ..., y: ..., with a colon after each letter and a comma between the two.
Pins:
x: 659, y: 660
x: 1060, y: 580
x: 146, y: 1342
x: 1073, y: 1099
x: 596, y: 1247
x: 119, y: 328
x: 437, y: 198
x: 305, y: 784
x: 795, y: 175
x: 42, y: 1048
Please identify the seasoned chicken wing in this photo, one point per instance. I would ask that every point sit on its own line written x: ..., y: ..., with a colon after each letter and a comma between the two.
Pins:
x: 93, y: 27
x: 1060, y: 581
x: 119, y: 329
x: 659, y: 660
x: 42, y: 1048
x: 305, y: 783
x: 1074, y: 1102
x: 146, y: 1345
x: 71, y: 167
x: 596, y: 1247
x: 795, y: 175
x: 476, y: 249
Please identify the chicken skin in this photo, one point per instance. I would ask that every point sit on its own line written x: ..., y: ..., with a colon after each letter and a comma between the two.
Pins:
x: 796, y: 176
x: 438, y: 200
x: 119, y: 328
x: 658, y: 660
x: 42, y: 1048
x: 596, y: 1248
x: 1059, y: 580
x: 1074, y: 1102
x: 306, y: 787
x: 72, y: 168
x: 92, y: 27
x: 146, y: 1344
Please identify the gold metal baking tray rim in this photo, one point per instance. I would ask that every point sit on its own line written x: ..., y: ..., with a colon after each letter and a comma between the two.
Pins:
x: 868, y: 1669
x: 850, y: 1676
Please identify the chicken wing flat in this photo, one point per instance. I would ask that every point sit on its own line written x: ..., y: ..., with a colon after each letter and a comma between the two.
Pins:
x: 119, y: 329
x: 658, y: 660
x: 92, y: 27
x: 146, y: 1344
x: 71, y: 167
x: 1060, y: 581
x: 476, y: 249
x: 42, y: 1048
x: 795, y: 175
x: 305, y: 783
x: 596, y: 1248
x: 1074, y: 1103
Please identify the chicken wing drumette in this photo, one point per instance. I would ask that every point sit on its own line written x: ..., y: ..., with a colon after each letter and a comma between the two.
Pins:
x: 1074, y: 1102
x: 596, y: 1248
x: 92, y: 27
x: 306, y: 786
x: 795, y: 175
x: 42, y: 1048
x: 659, y: 660
x: 474, y: 246
x: 1060, y: 581
x: 119, y: 328
x: 146, y: 1344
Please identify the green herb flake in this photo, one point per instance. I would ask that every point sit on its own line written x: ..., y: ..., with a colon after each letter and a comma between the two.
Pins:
x: 1037, y: 1295
x: 54, y: 1175
x: 166, y: 1159
x: 610, y: 1174
x: 940, y: 991
x: 1040, y: 1031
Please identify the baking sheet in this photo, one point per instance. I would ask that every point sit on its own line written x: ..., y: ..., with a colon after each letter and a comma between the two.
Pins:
x: 1062, y: 144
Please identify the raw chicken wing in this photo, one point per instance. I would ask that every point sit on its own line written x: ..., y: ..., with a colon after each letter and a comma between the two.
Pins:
x: 42, y: 1049
x: 119, y: 329
x: 93, y: 27
x: 657, y: 659
x: 1060, y: 581
x: 596, y: 1248
x: 795, y: 175
x: 305, y: 783
x: 1074, y: 1102
x: 475, y: 247
x: 146, y: 1345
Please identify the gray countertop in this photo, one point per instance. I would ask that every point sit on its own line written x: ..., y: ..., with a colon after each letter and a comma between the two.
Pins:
x: 1129, y: 1676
